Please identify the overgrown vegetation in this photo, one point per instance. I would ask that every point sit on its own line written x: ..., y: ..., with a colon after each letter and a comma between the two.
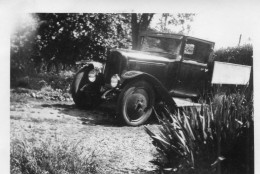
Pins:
x: 50, y: 157
x: 217, y: 139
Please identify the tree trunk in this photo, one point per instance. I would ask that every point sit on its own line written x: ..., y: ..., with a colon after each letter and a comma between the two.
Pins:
x: 135, y: 31
x: 139, y: 26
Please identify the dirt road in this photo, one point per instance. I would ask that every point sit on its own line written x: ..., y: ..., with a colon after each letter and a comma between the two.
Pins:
x: 118, y: 149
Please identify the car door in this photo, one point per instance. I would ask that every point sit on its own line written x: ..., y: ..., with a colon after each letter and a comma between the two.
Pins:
x: 192, y: 73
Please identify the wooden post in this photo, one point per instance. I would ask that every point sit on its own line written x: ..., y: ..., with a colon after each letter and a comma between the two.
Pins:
x: 239, y: 39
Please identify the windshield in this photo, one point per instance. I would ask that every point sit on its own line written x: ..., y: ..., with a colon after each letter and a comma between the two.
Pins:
x: 161, y: 44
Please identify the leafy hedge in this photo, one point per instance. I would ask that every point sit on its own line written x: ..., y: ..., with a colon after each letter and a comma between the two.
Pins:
x: 240, y: 55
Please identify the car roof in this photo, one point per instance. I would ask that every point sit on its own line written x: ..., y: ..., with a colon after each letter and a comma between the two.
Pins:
x: 166, y: 35
x: 200, y: 40
x: 175, y: 36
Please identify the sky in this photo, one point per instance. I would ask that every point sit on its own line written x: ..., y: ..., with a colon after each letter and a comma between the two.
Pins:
x: 222, y: 28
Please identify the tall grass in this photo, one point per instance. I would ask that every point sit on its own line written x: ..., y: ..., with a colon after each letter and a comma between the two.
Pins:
x: 50, y: 157
x: 218, y: 139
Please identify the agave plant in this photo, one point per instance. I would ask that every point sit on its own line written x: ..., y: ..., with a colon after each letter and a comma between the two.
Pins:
x: 205, y: 141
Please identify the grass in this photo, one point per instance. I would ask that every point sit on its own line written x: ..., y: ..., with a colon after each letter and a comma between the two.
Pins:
x: 16, y: 117
x: 48, y: 120
x: 50, y: 157
x: 18, y: 97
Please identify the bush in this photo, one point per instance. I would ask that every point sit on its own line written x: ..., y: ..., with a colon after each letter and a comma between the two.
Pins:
x: 38, y: 81
x: 239, y: 55
x: 50, y: 157
x: 218, y: 139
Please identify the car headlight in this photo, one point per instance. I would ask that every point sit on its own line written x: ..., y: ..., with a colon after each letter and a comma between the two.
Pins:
x: 92, y: 75
x: 114, y: 80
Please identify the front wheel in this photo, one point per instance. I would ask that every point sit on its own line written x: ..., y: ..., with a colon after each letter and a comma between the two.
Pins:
x: 135, y: 103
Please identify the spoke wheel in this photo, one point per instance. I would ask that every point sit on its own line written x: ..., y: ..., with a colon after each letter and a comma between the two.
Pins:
x: 135, y: 103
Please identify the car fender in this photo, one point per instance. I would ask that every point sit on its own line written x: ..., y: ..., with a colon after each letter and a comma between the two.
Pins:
x: 89, y: 85
x: 158, y: 87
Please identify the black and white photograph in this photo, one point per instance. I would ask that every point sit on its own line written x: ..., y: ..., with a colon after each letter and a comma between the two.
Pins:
x: 132, y: 91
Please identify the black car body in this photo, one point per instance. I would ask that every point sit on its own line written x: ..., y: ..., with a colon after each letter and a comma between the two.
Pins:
x: 164, y: 66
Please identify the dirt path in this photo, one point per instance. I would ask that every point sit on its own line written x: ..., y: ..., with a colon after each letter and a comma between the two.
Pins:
x: 118, y: 149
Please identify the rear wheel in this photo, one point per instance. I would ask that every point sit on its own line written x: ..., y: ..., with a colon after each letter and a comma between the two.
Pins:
x: 84, y: 99
x: 135, y: 103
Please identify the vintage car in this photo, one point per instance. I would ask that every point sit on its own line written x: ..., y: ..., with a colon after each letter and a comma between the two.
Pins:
x: 169, y: 67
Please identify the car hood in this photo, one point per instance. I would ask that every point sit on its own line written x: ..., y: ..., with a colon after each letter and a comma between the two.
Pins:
x: 147, y: 56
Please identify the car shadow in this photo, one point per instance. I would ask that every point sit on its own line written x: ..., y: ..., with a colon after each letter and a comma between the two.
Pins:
x: 104, y: 114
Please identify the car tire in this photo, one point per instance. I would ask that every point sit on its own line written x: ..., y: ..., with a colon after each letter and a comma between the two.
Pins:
x: 81, y: 98
x: 135, y: 103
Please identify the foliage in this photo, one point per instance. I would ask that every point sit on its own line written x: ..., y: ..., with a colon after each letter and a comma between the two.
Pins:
x: 22, y: 48
x: 55, y: 41
x: 38, y: 81
x: 48, y: 93
x: 45, y: 86
x: 141, y: 22
x: 50, y: 157
x: 179, y: 20
x: 56, y: 81
x: 77, y: 36
x: 219, y: 138
x: 239, y: 55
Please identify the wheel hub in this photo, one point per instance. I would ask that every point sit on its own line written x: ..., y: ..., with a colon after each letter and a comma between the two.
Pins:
x: 136, y: 106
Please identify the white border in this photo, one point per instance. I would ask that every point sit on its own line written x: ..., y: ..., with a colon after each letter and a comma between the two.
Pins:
x: 10, y: 8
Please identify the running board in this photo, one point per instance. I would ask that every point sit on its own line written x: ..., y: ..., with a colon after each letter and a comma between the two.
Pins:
x: 181, y: 102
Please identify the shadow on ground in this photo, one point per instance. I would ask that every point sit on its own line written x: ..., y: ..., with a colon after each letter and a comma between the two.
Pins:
x: 102, y: 115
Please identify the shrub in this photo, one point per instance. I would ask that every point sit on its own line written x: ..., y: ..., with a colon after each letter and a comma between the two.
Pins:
x: 50, y: 157
x: 218, y: 139
x: 239, y: 55
x: 42, y: 80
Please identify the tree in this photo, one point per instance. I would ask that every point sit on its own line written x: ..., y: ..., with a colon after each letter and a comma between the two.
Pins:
x: 139, y: 23
x: 22, y: 43
x: 64, y: 38
x: 180, y: 21
x: 67, y: 38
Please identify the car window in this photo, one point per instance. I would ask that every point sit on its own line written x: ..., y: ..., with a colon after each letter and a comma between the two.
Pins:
x: 196, y: 50
x: 189, y: 49
x: 160, y: 44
